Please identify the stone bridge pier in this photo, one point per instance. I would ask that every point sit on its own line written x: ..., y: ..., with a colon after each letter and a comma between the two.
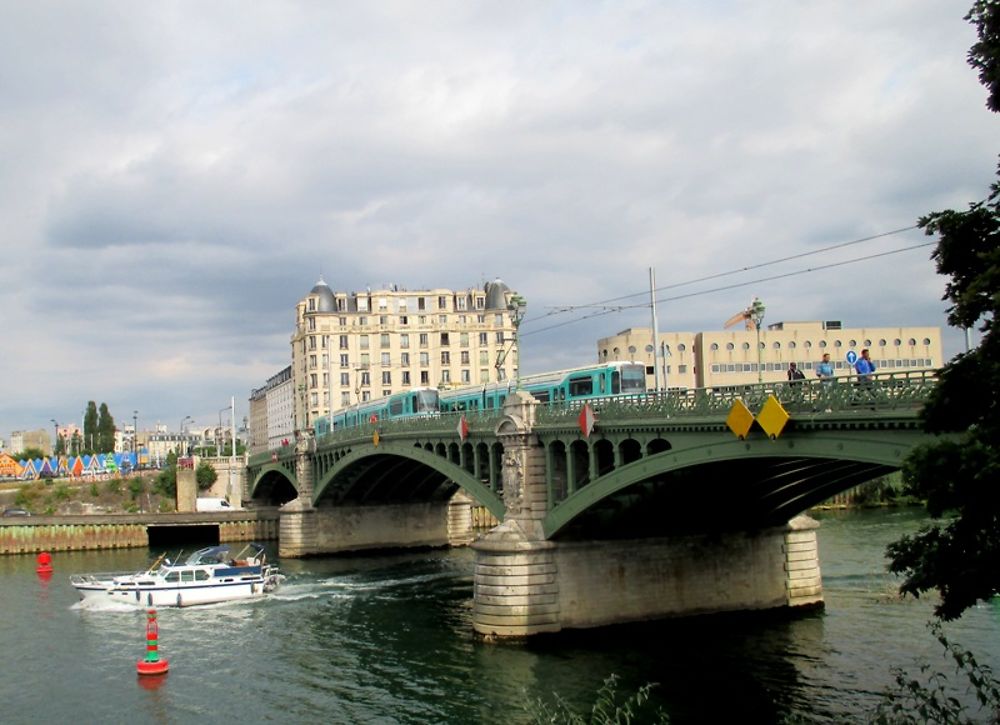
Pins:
x: 526, y: 585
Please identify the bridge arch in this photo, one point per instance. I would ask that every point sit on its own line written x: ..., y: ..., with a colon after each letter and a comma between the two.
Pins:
x: 386, y: 472
x: 274, y: 485
x: 778, y: 478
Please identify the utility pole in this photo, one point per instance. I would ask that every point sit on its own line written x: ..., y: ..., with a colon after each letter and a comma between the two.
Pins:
x: 656, y: 336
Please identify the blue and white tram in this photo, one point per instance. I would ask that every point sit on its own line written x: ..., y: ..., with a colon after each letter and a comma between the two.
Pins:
x: 408, y: 404
x: 584, y: 383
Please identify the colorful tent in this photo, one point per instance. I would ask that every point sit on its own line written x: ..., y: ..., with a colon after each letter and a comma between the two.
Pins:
x: 28, y: 470
x: 76, y: 467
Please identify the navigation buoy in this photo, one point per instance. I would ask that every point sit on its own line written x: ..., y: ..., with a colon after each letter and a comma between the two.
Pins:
x: 151, y: 664
x: 44, y: 561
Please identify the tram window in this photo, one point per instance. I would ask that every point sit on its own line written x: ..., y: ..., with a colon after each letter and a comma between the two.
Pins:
x: 604, y: 383
x: 581, y: 386
x: 396, y: 407
x: 616, y: 383
x: 542, y: 396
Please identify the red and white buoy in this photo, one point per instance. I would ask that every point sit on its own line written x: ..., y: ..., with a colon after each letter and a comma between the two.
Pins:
x: 151, y: 664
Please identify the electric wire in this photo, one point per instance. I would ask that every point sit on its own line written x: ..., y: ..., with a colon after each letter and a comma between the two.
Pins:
x: 759, y: 265
x: 724, y: 288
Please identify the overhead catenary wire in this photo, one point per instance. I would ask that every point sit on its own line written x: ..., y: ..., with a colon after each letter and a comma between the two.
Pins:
x: 606, y: 309
x: 724, y: 288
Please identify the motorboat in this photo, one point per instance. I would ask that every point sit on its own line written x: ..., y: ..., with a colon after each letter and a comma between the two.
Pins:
x: 207, y: 576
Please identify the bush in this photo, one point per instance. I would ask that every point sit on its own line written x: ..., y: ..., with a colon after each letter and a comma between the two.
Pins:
x: 205, y: 475
x: 604, y: 711
x: 136, y: 487
x: 62, y: 492
x: 113, y: 487
x: 94, y: 490
x: 925, y: 698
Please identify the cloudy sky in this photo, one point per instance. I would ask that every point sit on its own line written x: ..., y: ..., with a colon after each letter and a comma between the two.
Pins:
x: 175, y: 176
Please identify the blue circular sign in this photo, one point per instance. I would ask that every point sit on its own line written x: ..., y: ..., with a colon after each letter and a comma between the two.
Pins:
x: 852, y: 357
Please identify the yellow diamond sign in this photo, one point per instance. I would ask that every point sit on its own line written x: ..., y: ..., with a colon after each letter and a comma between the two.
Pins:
x: 772, y: 417
x: 740, y: 419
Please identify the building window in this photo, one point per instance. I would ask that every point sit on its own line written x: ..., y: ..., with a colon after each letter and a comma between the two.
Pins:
x: 383, y: 340
x: 463, y: 339
x: 822, y: 343
x: 312, y: 380
x: 423, y: 339
x: 499, y: 338
x: 345, y: 380
x: 460, y: 302
x: 312, y: 342
x: 897, y: 342
x: 363, y: 341
x: 366, y: 378
x: 363, y: 321
x: 927, y: 341
x: 838, y: 343
x: 406, y: 377
x: 746, y: 345
x: 404, y: 340
x: 730, y: 346
x: 312, y: 304
x: 442, y: 303
x: 425, y: 377
x: 445, y: 376
x: 366, y: 395
x: 484, y: 357
x: 777, y: 345
x: 682, y: 369
x: 484, y: 338
x: 881, y: 343
x: 425, y: 359
x: 404, y: 359
x: 404, y: 320
x: 445, y: 340
x: 344, y: 361
x: 714, y: 346
x: 383, y: 319
x: 365, y: 360
x: 682, y: 347
x: 466, y: 376
x: 445, y: 357
x: 852, y: 343
x: 480, y: 303
x: 385, y: 360
x: 343, y: 342
x: 792, y: 345
x: 912, y: 341
x: 465, y: 357
x: 343, y: 320
x: 386, y: 377
x: 345, y: 398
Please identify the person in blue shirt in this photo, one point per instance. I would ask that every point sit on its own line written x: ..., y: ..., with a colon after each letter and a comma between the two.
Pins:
x: 824, y: 369
x: 865, y: 366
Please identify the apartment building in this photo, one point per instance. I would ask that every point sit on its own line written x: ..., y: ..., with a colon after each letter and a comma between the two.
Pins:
x: 349, y: 347
x: 730, y: 357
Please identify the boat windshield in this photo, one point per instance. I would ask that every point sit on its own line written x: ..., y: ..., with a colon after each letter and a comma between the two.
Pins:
x: 209, y: 555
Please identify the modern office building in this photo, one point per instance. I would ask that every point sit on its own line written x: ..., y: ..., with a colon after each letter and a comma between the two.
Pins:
x: 348, y: 347
x: 736, y: 357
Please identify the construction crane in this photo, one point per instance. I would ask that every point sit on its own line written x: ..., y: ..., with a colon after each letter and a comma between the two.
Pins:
x: 751, y: 317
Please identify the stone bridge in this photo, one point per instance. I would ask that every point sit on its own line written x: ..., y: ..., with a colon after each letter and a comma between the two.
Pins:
x: 661, y: 510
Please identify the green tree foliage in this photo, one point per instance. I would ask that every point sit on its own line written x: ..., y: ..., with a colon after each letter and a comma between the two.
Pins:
x: 205, y: 474
x: 90, y: 436
x: 166, y: 481
x: 105, y: 430
x: 31, y: 453
x: 60, y: 448
x: 959, y: 555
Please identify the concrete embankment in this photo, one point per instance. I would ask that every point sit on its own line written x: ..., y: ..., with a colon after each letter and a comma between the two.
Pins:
x: 32, y: 534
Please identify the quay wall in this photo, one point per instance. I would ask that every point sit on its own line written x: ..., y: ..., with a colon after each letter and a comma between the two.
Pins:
x: 354, y: 528
x: 34, y: 534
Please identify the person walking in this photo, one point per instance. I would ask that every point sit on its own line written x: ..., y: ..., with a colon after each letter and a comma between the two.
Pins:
x: 794, y: 374
x: 824, y: 369
x: 865, y: 366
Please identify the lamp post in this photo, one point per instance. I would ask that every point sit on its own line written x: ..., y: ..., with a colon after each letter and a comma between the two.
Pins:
x: 185, y: 419
x: 55, y: 440
x: 757, y: 315
x: 220, y: 438
x: 516, y: 306
x: 135, y: 436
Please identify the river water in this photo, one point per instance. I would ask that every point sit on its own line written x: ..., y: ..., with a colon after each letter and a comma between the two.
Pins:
x: 388, y: 639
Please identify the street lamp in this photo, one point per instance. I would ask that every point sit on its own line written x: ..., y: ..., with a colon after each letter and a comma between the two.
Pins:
x: 221, y: 437
x: 757, y: 315
x: 186, y: 418
x: 55, y: 441
x: 516, y: 306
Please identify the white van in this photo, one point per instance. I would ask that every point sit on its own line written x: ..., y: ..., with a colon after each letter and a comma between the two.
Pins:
x: 213, y: 504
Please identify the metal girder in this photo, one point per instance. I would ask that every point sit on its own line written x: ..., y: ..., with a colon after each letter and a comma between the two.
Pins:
x: 369, y: 454
x: 881, y: 449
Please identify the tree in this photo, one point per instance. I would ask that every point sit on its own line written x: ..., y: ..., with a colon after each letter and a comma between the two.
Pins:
x: 60, y: 448
x: 205, y: 474
x: 105, y: 430
x: 90, y: 427
x: 956, y: 475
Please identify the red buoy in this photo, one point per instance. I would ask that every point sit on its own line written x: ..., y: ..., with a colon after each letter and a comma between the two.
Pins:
x: 151, y: 664
x: 44, y: 561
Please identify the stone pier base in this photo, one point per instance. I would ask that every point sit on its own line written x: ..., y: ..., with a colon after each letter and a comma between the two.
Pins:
x: 524, y: 588
x: 460, y: 519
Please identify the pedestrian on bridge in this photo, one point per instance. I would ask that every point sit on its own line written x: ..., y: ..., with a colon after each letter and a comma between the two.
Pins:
x: 865, y: 366
x: 824, y: 371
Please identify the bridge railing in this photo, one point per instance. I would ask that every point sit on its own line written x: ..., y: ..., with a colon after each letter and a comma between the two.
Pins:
x: 904, y: 390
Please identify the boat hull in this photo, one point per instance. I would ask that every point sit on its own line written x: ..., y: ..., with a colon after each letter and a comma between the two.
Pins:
x: 176, y: 596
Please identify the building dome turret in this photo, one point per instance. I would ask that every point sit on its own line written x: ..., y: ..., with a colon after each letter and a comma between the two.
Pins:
x: 496, y: 295
x: 326, y: 301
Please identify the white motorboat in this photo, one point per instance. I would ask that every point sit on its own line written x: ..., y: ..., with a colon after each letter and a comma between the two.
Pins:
x: 207, y: 576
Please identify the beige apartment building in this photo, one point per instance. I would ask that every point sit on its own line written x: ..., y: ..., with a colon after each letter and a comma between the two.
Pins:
x: 349, y: 347
x: 730, y: 357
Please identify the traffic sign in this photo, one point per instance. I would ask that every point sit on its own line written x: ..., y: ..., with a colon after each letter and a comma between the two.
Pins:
x: 852, y: 357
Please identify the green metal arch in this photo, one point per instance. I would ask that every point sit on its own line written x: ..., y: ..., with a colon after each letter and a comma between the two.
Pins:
x: 861, y: 446
x: 273, y: 468
x: 463, y: 478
